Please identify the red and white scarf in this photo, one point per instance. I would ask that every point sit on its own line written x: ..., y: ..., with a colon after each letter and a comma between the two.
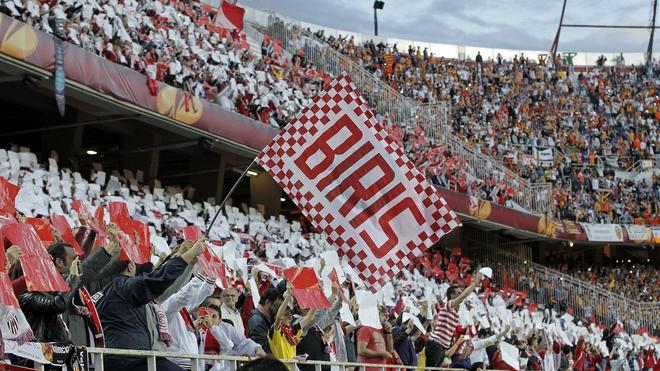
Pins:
x: 287, y: 331
x: 161, y: 318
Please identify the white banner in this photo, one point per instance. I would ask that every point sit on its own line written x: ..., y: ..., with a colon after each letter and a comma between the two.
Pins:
x: 544, y: 154
x: 603, y: 232
x: 639, y: 233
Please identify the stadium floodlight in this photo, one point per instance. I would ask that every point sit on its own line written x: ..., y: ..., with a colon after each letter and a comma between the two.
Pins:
x: 91, y: 152
x: 377, y: 5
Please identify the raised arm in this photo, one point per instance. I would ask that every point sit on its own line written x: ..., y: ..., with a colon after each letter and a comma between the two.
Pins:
x: 467, y: 291
x: 147, y: 287
x: 281, y: 311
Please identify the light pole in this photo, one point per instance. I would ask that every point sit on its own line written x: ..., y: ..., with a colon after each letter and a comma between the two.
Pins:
x: 377, y: 5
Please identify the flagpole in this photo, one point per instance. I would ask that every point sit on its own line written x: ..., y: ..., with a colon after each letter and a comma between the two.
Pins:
x: 231, y: 191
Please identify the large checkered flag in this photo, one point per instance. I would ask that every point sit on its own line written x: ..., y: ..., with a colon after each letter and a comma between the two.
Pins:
x: 338, y: 165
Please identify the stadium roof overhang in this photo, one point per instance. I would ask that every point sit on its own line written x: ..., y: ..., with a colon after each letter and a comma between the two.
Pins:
x: 108, y: 108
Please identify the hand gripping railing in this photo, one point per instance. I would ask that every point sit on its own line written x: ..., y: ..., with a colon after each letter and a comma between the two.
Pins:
x: 387, y: 101
x: 586, y: 300
x: 231, y: 362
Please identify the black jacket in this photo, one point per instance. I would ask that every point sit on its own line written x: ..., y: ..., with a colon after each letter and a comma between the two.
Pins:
x: 97, y: 270
x: 122, y: 308
x: 43, y: 310
x: 313, y: 345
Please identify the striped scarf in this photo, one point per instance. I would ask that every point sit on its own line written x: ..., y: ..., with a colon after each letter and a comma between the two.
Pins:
x: 287, y: 331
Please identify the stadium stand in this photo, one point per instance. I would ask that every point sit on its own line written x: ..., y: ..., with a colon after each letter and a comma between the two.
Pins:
x: 178, y: 305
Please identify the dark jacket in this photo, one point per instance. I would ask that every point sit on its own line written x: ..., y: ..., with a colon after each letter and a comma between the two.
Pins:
x: 122, y: 308
x: 258, y: 327
x: 313, y: 345
x: 404, y: 347
x: 97, y: 270
x: 42, y: 311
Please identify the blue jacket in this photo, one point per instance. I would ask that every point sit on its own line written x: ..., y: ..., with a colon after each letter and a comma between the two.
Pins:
x: 122, y: 308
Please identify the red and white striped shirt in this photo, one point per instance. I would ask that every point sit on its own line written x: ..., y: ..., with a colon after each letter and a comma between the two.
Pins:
x: 444, y: 326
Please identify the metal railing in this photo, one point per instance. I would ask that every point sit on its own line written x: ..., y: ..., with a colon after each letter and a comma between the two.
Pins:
x: 387, y: 101
x: 550, y: 287
x: 231, y: 362
x: 645, y: 165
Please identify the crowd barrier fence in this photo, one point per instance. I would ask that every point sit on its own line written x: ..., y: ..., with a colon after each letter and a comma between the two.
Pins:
x: 98, y: 355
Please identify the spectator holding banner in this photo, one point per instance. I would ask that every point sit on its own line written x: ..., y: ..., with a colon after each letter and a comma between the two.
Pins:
x: 445, y: 323
x: 376, y: 345
x: 124, y: 303
x: 285, y: 336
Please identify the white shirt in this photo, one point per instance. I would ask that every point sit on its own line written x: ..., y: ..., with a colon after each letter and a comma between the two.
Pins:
x: 479, y: 353
x: 190, y: 296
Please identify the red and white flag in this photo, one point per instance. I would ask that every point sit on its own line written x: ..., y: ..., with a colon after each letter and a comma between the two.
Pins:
x: 356, y: 185
x: 230, y: 16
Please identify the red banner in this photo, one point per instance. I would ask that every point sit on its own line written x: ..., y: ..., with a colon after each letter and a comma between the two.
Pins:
x: 212, y: 267
x: 8, y: 192
x: 38, y: 267
x: 353, y: 183
x: 306, y: 288
x: 129, y: 250
x: 62, y: 226
x: 192, y: 233
x: 43, y: 229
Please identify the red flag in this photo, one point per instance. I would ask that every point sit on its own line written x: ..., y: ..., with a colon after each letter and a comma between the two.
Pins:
x: 42, y: 227
x: 192, y: 233
x: 7, y: 296
x: 8, y: 192
x: 533, y: 307
x: 333, y: 276
x: 62, y: 226
x: 141, y: 237
x: 97, y: 223
x: 351, y: 182
x: 230, y: 16
x: 38, y: 267
x: 306, y: 288
x: 213, y: 267
x: 119, y: 215
x: 129, y: 250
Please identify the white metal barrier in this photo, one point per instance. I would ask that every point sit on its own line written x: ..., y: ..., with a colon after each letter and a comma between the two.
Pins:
x: 98, y: 354
x: 384, y: 99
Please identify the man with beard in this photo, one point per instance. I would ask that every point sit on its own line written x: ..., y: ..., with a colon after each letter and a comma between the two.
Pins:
x: 263, y: 316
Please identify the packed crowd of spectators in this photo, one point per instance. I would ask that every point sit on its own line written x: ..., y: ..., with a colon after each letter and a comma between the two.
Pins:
x: 175, y: 42
x: 512, y: 110
x: 509, y: 110
x: 633, y: 279
x: 442, y: 310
